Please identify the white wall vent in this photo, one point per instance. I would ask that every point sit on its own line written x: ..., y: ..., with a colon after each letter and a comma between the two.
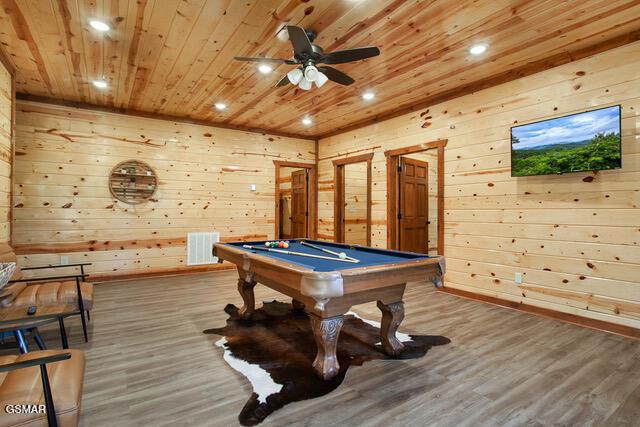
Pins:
x: 200, y: 247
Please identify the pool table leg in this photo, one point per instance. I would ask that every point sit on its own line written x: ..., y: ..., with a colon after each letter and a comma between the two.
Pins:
x: 326, y: 331
x: 392, y: 315
x: 245, y: 287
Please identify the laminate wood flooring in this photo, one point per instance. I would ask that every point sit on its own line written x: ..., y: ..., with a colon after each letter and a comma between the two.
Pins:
x: 148, y: 363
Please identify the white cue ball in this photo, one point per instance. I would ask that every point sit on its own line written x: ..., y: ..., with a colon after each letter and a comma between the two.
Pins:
x: 342, y: 255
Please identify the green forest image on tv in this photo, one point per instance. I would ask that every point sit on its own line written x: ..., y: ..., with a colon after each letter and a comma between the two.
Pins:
x: 580, y: 142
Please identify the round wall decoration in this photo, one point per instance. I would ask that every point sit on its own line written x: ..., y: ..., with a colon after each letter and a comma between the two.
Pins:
x: 133, y: 182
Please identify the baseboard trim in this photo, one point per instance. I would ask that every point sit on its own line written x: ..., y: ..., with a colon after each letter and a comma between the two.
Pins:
x: 166, y: 272
x: 600, y: 325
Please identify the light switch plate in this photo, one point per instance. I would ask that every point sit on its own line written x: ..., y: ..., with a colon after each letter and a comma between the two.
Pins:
x: 64, y: 259
x: 253, y: 187
x: 518, y: 278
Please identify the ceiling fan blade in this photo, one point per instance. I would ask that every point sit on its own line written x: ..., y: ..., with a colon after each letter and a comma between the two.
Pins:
x: 300, y: 41
x: 265, y: 60
x: 348, y: 55
x: 336, y: 75
x: 283, y: 81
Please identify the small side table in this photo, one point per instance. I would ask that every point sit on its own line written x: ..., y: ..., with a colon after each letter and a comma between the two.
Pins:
x: 16, y: 320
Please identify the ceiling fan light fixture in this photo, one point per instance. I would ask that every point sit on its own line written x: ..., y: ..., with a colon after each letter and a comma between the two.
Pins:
x: 264, y: 68
x: 321, y: 79
x: 305, y: 84
x: 311, y: 73
x: 295, y: 76
x: 283, y: 34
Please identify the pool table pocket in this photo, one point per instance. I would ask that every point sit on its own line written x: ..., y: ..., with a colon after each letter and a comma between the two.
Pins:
x: 322, y: 286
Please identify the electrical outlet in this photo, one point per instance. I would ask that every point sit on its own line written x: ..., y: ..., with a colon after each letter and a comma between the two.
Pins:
x: 518, y: 278
x: 253, y: 187
x: 64, y: 260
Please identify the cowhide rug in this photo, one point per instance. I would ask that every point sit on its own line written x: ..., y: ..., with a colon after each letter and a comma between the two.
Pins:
x: 275, y: 349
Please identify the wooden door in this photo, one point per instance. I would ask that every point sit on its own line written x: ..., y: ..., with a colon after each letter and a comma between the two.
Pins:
x: 413, y: 215
x: 299, y: 203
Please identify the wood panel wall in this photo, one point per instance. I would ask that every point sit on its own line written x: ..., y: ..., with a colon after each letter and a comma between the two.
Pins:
x: 7, y: 99
x: 62, y: 204
x: 575, y: 237
x: 355, y: 203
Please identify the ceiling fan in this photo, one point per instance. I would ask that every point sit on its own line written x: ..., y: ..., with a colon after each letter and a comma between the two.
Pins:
x: 307, y: 55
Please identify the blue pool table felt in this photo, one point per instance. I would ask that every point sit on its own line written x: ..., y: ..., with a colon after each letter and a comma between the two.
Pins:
x: 367, y: 256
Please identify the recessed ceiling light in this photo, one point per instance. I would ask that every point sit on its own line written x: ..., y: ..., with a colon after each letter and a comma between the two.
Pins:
x: 99, y: 25
x: 478, y: 49
x: 368, y: 96
x: 306, y: 121
x: 100, y: 84
x: 220, y: 106
x: 264, y: 68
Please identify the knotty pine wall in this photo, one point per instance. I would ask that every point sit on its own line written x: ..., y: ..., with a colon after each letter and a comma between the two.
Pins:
x: 575, y: 237
x: 62, y: 204
x: 355, y: 203
x: 6, y: 156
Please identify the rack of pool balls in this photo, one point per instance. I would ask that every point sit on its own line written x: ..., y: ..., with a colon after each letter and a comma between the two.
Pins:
x: 284, y: 244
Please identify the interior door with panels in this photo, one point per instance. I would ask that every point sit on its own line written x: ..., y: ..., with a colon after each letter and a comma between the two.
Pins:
x: 413, y: 215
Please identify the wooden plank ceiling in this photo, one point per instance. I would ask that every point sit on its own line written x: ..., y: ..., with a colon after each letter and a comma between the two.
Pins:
x: 174, y: 57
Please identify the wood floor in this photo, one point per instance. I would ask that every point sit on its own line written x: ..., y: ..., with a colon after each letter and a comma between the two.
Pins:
x: 148, y: 363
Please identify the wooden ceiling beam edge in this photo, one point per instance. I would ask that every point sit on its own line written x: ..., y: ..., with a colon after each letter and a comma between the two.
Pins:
x: 508, y: 76
x: 138, y: 113
x: 4, y: 60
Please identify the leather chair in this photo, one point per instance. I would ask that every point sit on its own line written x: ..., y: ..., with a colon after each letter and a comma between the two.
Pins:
x: 54, y: 377
x: 62, y: 289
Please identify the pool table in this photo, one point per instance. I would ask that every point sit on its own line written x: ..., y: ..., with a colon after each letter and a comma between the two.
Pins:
x: 326, y: 289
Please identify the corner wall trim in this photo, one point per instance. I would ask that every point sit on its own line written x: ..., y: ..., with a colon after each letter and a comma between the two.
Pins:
x: 4, y: 60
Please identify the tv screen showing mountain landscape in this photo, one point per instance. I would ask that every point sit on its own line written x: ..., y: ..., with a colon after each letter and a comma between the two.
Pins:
x: 580, y: 142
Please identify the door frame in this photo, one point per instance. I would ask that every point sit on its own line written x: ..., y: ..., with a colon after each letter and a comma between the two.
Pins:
x: 312, y: 194
x: 393, y: 157
x: 338, y: 194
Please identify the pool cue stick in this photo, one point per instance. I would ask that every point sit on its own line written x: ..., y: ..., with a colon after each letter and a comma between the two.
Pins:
x: 326, y: 250
x: 280, y: 251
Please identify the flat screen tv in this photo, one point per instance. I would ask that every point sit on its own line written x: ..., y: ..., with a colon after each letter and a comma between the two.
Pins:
x: 587, y: 141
